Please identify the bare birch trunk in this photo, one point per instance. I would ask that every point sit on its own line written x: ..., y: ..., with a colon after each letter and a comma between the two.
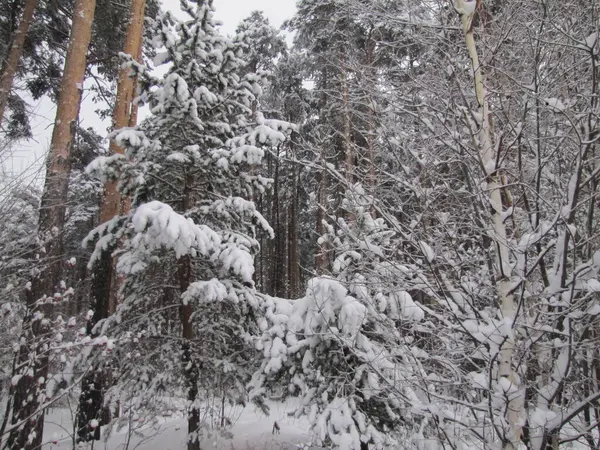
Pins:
x: 50, y: 233
x: 14, y: 56
x: 504, y: 271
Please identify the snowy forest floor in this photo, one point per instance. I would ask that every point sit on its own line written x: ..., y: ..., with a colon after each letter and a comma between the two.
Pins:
x: 251, y: 430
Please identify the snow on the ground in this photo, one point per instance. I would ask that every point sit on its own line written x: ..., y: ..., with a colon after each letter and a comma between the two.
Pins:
x: 251, y: 431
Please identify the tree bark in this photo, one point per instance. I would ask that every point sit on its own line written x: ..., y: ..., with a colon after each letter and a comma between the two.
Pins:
x: 293, y: 249
x: 278, y: 277
x: 348, y: 153
x: 104, y: 287
x: 124, y: 110
x: 124, y: 114
x: 493, y: 185
x: 189, y: 365
x: 269, y: 244
x: 33, y: 359
x: 322, y: 257
x: 14, y: 56
x: 370, y: 48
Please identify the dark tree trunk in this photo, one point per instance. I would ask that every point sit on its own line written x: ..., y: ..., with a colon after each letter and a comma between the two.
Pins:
x: 269, y: 248
x: 293, y: 248
x: 91, y: 398
x: 189, y: 364
x: 278, y: 254
x: 322, y: 258
x: 90, y: 405
x: 261, y: 260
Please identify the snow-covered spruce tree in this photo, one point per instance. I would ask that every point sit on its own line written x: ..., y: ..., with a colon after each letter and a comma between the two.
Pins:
x: 188, y: 305
x: 263, y: 43
x: 350, y: 348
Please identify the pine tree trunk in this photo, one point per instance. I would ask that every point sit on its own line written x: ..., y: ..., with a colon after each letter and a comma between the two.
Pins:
x: 348, y: 153
x: 322, y: 258
x: 50, y: 232
x: 269, y: 244
x: 370, y: 47
x: 91, y: 398
x: 293, y: 249
x: 259, y: 275
x: 14, y: 55
x: 277, y: 266
x: 285, y: 247
x: 124, y: 110
x: 104, y: 287
x: 189, y: 365
x: 124, y: 114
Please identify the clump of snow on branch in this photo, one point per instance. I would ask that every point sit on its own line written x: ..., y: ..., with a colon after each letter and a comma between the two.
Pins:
x: 156, y: 225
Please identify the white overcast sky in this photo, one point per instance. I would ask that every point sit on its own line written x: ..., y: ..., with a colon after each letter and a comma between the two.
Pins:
x: 231, y: 12
x: 29, y: 155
